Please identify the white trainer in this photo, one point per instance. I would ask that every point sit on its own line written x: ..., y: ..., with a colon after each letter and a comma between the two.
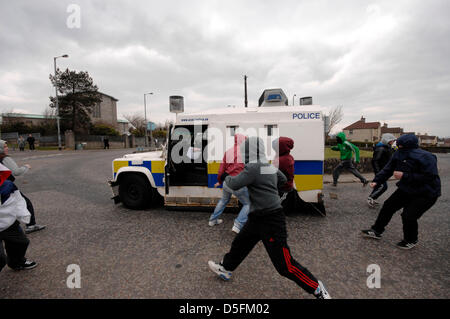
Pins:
x: 235, y: 229
x: 219, y: 270
x: 372, y: 203
x: 321, y: 292
x: 215, y: 222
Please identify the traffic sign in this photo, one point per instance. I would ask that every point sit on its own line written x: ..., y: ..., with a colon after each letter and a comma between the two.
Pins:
x: 151, y: 126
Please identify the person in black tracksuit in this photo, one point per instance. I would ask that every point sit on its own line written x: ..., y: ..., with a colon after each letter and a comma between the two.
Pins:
x: 418, y: 189
x: 105, y: 143
x: 381, y: 155
x: 31, y: 141
x: 266, y: 221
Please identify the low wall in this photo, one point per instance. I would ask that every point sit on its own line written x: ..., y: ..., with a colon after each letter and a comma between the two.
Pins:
x: 91, y: 142
x: 97, y: 145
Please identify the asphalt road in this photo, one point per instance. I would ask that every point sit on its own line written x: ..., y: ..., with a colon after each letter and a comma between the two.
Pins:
x: 163, y: 254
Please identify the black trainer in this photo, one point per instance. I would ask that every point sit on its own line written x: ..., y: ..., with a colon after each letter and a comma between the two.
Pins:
x: 370, y: 233
x: 26, y: 265
x: 405, y: 245
x: 33, y: 228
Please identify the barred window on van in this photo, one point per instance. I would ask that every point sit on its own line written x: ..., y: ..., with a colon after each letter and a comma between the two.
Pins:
x: 271, y: 129
x: 232, y: 129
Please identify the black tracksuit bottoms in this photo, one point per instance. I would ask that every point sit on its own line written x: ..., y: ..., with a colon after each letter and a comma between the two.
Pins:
x: 414, y: 207
x: 271, y: 229
x: 346, y: 165
x: 16, y: 244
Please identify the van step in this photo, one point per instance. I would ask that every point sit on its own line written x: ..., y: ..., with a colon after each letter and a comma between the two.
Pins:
x: 196, y: 201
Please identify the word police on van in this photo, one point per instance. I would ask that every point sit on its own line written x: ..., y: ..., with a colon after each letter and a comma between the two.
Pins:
x: 306, y: 116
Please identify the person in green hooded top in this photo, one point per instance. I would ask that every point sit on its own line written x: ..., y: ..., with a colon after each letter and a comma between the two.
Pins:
x: 347, y: 150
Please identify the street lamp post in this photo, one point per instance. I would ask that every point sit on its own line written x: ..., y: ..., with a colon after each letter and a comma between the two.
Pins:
x: 57, y: 102
x: 293, y: 101
x: 145, y: 117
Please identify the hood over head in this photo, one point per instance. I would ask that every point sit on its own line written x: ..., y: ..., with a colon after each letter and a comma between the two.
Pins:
x: 387, y: 137
x: 341, y: 136
x: 408, y: 141
x: 253, y: 150
x: 239, y: 138
x: 283, y: 145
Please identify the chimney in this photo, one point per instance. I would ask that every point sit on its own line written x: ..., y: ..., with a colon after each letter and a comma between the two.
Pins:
x: 385, y: 125
x: 363, y: 119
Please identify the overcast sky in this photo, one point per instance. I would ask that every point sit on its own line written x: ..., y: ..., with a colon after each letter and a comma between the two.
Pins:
x: 386, y: 60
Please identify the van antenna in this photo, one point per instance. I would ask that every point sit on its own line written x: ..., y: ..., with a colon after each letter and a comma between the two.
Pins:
x: 245, y: 90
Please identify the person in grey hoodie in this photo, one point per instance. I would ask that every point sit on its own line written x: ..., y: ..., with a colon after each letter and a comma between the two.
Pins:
x: 7, y: 161
x: 21, y: 143
x: 266, y: 221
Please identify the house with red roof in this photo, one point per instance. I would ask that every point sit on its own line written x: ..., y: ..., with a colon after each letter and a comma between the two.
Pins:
x: 396, y: 131
x: 362, y: 131
x: 427, y: 140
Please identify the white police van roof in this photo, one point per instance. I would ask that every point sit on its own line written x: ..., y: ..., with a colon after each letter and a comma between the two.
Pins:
x: 251, y: 114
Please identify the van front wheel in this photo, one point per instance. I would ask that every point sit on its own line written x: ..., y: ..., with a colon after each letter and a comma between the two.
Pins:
x: 135, y: 191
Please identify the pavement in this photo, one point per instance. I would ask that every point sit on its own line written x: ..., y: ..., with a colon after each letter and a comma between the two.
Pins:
x: 349, y: 178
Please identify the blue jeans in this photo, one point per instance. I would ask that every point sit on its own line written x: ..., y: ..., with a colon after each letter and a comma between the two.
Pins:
x: 242, y: 196
x: 378, y: 190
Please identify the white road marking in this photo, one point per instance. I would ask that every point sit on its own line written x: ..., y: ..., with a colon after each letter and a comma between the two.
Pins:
x: 40, y: 156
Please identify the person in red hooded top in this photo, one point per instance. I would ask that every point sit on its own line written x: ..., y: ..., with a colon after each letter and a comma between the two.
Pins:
x: 232, y: 164
x: 284, y: 161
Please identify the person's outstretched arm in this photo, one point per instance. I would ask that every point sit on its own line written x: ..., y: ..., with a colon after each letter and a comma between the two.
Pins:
x: 15, y: 169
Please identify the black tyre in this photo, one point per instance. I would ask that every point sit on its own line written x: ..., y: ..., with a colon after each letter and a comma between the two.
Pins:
x: 135, y: 191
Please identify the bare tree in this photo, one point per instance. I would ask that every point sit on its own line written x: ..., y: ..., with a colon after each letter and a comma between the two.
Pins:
x: 168, y: 122
x: 49, y: 114
x: 335, y: 116
x: 137, y: 120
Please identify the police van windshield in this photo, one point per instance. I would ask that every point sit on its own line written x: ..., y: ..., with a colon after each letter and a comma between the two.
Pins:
x: 187, y: 165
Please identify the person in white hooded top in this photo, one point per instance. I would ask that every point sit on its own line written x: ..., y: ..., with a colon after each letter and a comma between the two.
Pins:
x: 13, y: 210
x: 7, y: 161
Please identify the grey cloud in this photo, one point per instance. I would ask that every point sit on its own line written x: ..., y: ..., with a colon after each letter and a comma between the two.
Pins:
x: 202, y: 49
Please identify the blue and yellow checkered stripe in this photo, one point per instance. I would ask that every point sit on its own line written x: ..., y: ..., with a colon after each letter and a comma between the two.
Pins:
x: 155, y: 167
x: 213, y: 170
x: 308, y: 175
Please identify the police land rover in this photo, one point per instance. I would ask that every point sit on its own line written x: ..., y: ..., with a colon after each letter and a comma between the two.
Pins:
x: 141, y: 180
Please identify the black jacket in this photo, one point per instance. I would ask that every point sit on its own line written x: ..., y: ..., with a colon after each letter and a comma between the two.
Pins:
x: 419, y: 167
x: 382, y: 153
